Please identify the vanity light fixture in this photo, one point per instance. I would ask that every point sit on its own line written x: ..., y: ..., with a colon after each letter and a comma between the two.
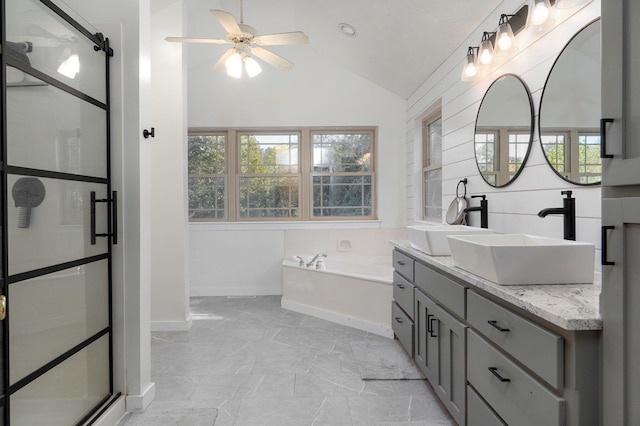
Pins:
x: 500, y: 43
x: 540, y: 15
x: 470, y: 69
x: 485, y: 52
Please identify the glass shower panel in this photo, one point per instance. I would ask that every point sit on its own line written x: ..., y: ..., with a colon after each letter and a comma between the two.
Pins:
x: 58, y: 228
x: 37, y: 37
x: 78, y: 384
x: 49, y: 129
x: 55, y: 312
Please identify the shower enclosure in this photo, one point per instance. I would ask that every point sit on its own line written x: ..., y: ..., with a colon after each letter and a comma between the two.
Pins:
x: 58, y: 217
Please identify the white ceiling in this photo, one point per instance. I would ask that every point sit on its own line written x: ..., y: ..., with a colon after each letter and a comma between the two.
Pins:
x: 398, y: 45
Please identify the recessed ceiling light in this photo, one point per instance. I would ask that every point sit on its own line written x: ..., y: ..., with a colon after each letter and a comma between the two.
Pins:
x: 347, y: 30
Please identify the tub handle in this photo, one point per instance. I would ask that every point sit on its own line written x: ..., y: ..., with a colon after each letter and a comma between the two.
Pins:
x: 398, y: 320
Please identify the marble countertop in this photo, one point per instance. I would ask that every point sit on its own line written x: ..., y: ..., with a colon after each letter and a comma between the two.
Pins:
x: 569, y: 306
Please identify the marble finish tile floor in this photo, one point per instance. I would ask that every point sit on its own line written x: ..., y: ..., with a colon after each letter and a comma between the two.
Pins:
x: 258, y: 364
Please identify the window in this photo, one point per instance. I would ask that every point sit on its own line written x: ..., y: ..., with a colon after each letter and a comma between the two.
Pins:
x: 238, y: 175
x: 490, y: 143
x: 577, y: 162
x: 432, y: 167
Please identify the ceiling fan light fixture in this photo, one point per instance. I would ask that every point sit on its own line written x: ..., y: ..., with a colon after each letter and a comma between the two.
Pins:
x: 252, y: 66
x: 233, y: 65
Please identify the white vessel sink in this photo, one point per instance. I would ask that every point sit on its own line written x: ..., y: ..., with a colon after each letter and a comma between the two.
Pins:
x: 518, y: 259
x: 433, y: 239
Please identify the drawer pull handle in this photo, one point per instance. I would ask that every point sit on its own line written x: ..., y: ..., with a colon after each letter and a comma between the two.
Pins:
x: 431, y: 328
x: 400, y: 262
x: 400, y: 286
x: 398, y: 320
x: 604, y: 261
x: 494, y: 371
x: 495, y: 325
x: 603, y: 137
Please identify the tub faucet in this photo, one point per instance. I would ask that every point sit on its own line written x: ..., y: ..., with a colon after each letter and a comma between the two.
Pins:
x: 315, y: 258
x: 568, y: 210
x: 483, y: 209
x: 300, y: 260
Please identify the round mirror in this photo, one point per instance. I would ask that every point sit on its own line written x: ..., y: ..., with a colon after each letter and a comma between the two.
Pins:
x: 504, y: 129
x: 569, y: 122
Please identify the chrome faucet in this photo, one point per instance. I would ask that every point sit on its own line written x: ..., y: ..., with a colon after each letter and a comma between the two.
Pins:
x: 568, y: 210
x: 315, y: 258
x: 483, y: 209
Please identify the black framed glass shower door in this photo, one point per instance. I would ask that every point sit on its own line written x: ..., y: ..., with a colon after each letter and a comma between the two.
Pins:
x: 57, y: 204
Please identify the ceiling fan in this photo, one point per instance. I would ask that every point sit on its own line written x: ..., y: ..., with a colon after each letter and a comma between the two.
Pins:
x: 246, y: 43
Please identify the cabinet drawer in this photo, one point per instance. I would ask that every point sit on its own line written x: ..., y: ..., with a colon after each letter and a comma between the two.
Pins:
x: 402, y: 327
x: 537, y: 348
x: 403, y: 264
x: 446, y: 291
x: 403, y: 293
x: 518, y: 398
x: 479, y: 413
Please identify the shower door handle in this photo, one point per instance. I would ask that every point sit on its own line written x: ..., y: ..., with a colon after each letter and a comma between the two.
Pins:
x: 113, y: 231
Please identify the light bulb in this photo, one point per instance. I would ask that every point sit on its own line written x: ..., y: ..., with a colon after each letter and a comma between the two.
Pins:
x: 253, y: 68
x: 234, y: 65
x: 471, y: 70
x: 504, y: 42
x: 540, y: 13
x: 486, y: 52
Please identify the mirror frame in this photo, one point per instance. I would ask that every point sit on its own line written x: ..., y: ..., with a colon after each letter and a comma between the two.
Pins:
x: 546, y: 82
x: 531, y: 131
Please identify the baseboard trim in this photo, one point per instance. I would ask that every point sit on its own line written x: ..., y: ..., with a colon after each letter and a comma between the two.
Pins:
x: 172, y: 325
x: 142, y: 401
x: 233, y: 291
x: 113, y: 414
x: 342, y: 319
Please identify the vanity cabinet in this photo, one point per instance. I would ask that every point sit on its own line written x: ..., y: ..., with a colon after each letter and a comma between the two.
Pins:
x: 620, y: 92
x: 491, y: 362
x: 440, y: 338
x: 402, y: 310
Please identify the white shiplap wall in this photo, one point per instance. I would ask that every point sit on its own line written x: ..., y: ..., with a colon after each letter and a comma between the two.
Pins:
x: 513, y: 208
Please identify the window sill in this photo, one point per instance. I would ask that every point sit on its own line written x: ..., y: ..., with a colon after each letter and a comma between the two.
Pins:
x: 275, y: 226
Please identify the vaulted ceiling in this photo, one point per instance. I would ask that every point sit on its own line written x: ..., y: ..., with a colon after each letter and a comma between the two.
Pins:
x: 398, y: 44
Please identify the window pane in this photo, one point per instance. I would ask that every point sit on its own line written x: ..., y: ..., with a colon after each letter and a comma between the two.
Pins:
x: 264, y: 154
x: 335, y: 153
x: 433, y: 193
x: 589, y: 162
x: 206, y: 197
x: 435, y: 143
x: 485, y: 151
x: 554, y: 149
x: 342, y: 196
x: 269, y: 197
x: 207, y: 154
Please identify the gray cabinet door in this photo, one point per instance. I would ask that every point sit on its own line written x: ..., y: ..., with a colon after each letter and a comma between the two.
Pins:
x: 426, y: 337
x: 450, y: 380
x: 619, y: 300
x: 620, y: 91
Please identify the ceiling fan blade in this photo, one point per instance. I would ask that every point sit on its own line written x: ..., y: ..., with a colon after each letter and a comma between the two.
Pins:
x: 272, y: 59
x: 227, y: 21
x: 220, y: 64
x: 296, y: 37
x: 195, y: 40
